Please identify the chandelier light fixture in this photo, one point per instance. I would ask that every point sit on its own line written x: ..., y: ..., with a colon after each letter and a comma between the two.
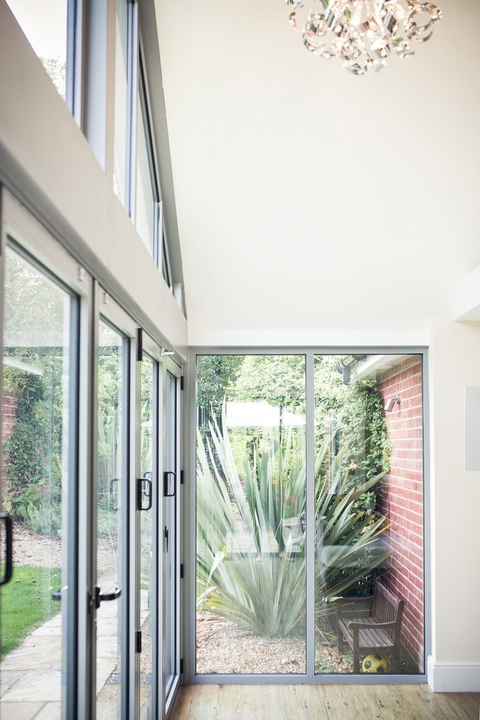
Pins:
x: 363, y: 33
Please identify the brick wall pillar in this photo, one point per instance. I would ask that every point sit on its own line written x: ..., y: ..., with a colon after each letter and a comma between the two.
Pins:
x: 402, y: 498
x: 10, y: 404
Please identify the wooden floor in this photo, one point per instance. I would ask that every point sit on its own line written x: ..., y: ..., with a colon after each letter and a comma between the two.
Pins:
x: 323, y: 702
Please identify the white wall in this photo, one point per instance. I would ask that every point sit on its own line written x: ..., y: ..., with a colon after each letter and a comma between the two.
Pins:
x: 454, y: 364
x: 316, y: 207
x: 46, y: 159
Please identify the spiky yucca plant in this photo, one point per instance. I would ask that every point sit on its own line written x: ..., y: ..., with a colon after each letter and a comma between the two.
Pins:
x: 261, y: 584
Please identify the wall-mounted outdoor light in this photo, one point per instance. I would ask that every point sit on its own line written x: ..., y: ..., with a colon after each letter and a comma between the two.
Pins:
x: 391, y: 402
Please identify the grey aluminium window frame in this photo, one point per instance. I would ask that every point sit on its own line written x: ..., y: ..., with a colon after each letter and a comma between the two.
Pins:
x: 190, y: 526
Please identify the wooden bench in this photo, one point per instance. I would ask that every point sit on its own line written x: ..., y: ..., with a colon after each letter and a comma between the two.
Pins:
x: 378, y: 632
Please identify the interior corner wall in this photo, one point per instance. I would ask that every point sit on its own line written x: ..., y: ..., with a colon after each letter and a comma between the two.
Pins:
x: 454, y: 364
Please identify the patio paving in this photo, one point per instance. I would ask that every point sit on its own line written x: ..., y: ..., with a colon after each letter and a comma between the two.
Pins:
x: 30, y: 676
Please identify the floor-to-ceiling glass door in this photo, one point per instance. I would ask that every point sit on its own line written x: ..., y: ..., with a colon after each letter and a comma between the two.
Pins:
x: 89, y: 422
x: 251, y: 519
x: 114, y: 517
x: 309, y: 515
x: 171, y: 548
x: 147, y: 529
x: 39, y: 475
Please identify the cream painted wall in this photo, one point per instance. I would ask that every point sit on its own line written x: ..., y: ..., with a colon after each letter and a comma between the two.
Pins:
x: 45, y: 157
x: 315, y: 206
x: 455, y: 510
x: 468, y: 306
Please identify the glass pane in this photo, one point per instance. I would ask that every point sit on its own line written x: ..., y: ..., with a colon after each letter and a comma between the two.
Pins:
x: 111, y: 479
x: 170, y: 547
x: 44, y: 22
x: 369, y: 513
x: 146, y: 535
x: 36, y: 415
x: 147, y: 195
x: 121, y: 101
x: 251, y: 493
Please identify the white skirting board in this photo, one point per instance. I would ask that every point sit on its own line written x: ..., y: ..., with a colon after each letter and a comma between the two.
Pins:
x: 453, y: 677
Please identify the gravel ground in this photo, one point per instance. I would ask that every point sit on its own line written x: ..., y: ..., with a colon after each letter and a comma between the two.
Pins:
x: 45, y: 551
x: 223, y: 647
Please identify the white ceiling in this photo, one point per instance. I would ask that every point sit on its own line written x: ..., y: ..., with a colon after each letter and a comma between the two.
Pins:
x: 317, y: 207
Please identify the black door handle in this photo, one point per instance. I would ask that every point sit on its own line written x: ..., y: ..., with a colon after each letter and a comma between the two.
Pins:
x: 106, y: 597
x: 57, y: 595
x: 144, y: 494
x: 5, y: 518
x: 166, y: 483
x: 114, y: 493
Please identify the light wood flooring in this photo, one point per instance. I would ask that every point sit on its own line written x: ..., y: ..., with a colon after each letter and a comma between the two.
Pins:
x: 323, y: 702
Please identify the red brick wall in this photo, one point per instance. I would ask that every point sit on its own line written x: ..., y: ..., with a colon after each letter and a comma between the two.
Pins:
x: 10, y: 403
x: 402, y: 499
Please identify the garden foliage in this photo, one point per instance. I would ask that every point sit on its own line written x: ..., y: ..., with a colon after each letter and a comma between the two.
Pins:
x: 260, y: 584
x: 251, y: 488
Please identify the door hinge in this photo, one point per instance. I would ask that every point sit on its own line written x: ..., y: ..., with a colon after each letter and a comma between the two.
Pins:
x: 182, y: 571
x: 139, y: 344
x: 181, y: 382
x: 138, y: 641
x: 181, y: 666
x: 182, y: 477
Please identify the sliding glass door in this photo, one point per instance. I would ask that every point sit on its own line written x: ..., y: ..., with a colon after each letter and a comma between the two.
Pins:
x: 309, y: 512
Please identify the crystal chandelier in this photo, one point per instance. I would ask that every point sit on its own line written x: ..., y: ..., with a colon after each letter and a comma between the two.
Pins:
x: 363, y: 33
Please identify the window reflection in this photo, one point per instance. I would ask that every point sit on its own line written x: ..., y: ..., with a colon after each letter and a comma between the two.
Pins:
x: 147, y: 193
x: 44, y: 23
x: 121, y: 102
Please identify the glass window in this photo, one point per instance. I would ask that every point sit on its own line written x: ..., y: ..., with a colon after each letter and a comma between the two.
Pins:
x: 369, y: 514
x: 149, y: 219
x: 171, y: 531
x: 37, y: 490
x: 147, y: 558
x: 44, y: 22
x: 111, y: 453
x: 324, y: 487
x: 121, y: 102
x: 251, y: 493
x: 166, y: 271
x: 147, y: 194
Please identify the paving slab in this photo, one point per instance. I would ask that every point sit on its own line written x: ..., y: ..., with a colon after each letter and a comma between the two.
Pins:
x: 20, y: 710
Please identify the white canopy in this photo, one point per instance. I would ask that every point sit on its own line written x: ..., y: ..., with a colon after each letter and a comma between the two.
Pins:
x: 260, y: 414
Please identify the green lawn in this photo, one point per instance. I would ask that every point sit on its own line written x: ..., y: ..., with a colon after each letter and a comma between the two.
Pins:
x: 26, y: 602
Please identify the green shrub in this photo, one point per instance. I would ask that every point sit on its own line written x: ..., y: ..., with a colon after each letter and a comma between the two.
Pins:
x: 266, y: 591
